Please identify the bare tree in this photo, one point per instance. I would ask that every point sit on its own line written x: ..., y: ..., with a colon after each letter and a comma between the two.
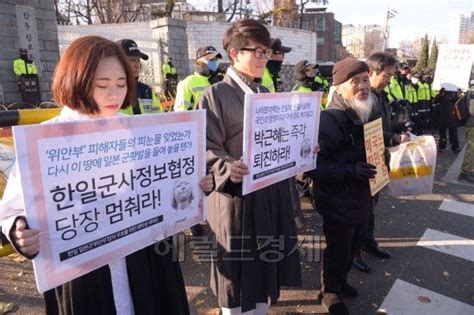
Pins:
x: 407, y: 48
x: 301, y: 6
x: 63, y: 11
x: 220, y: 6
x: 169, y: 7
x: 284, y: 12
x: 103, y: 11
x: 84, y: 10
x: 373, y: 42
x: 232, y: 7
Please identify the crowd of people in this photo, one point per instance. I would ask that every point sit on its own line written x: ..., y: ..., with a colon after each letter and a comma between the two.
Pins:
x: 244, y: 283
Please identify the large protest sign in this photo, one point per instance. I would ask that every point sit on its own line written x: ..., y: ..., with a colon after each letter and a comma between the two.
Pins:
x: 453, y: 68
x: 280, y: 133
x: 99, y: 190
x: 375, y: 152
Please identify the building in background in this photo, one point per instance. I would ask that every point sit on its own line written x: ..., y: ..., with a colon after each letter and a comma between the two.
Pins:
x: 362, y: 40
x: 321, y: 22
x: 461, y: 29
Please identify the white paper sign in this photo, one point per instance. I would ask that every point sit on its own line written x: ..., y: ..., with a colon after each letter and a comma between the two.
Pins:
x: 280, y: 133
x: 99, y: 190
x: 453, y: 68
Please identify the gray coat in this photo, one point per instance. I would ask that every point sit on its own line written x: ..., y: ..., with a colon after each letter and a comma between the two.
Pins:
x: 469, y: 98
x: 247, y: 267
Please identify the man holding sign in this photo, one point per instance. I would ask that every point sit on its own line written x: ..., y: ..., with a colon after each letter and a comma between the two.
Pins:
x: 255, y: 233
x: 341, y: 191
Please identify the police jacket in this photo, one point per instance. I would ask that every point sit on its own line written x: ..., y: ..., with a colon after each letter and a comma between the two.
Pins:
x: 338, y: 195
x: 169, y: 71
x: 145, y: 103
x: 189, y: 91
x: 20, y: 66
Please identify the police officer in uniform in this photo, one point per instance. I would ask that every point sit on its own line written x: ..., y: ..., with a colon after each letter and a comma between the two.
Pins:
x: 271, y: 76
x: 24, y: 65
x: 171, y: 77
x: 147, y: 101
x: 189, y: 91
x: 304, y: 74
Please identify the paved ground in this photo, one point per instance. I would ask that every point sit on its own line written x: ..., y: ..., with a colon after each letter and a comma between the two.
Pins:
x: 431, y: 238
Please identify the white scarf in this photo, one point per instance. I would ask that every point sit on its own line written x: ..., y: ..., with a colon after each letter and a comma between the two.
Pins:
x: 231, y: 73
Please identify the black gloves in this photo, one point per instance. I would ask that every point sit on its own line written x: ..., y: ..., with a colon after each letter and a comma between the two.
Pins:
x: 363, y: 171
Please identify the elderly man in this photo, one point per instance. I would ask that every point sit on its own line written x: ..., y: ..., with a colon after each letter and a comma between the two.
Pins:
x: 382, y: 67
x: 342, y: 194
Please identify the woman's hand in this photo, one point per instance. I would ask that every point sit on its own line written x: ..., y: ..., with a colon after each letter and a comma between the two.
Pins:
x: 237, y: 171
x: 207, y: 183
x: 26, y: 240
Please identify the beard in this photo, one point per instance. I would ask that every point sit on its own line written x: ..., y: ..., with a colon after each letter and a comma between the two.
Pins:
x: 363, y: 108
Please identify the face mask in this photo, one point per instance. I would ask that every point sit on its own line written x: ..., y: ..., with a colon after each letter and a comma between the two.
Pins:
x: 414, y: 81
x: 213, y: 65
x: 203, y: 69
x: 274, y: 66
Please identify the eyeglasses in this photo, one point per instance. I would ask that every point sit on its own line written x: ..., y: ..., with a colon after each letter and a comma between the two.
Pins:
x: 276, y: 53
x: 258, y: 52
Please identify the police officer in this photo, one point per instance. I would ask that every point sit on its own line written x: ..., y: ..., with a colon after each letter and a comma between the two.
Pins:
x: 396, y: 89
x: 318, y: 78
x: 271, y: 76
x: 146, y: 101
x: 24, y: 65
x: 171, y: 77
x: 424, y: 104
x: 190, y: 90
x: 411, y: 95
x: 304, y: 75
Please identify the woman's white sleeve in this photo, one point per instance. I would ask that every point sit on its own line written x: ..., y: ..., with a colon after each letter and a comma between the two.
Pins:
x: 12, y: 204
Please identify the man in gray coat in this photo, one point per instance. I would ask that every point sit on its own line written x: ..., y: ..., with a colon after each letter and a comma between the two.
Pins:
x: 244, y: 276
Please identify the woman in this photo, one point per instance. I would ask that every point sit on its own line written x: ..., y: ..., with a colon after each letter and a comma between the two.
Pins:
x: 255, y: 233
x: 93, y: 80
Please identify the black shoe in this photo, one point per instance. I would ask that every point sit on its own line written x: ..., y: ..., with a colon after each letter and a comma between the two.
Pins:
x: 466, y: 178
x: 360, y: 263
x: 349, y: 292
x: 377, y: 252
x: 333, y: 303
x: 456, y: 150
x: 196, y: 230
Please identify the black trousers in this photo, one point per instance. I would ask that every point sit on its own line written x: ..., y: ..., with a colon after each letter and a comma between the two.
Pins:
x: 368, y: 239
x: 343, y: 242
x: 453, y: 138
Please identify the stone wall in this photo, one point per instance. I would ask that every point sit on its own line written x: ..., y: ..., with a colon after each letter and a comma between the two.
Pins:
x: 140, y: 32
x: 173, y: 41
x: 43, y: 48
x: 181, y: 39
